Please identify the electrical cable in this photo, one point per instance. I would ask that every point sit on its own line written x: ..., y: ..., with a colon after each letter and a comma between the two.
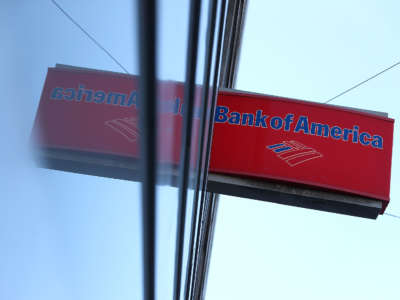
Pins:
x: 362, y: 82
x: 391, y: 215
x: 90, y: 36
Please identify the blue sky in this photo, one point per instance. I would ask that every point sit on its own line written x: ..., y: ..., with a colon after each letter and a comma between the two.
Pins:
x: 69, y: 236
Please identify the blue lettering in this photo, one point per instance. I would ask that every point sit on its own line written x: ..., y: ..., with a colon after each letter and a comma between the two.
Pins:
x: 221, y: 114
x: 118, y: 98
x: 346, y: 133
x: 276, y: 123
x: 57, y: 93
x: 355, y: 134
x: 377, y: 142
x: 88, y: 94
x: 69, y: 94
x: 363, y: 141
x: 288, y: 121
x: 317, y: 128
x: 260, y: 119
x: 176, y: 107
x: 248, y: 119
x: 336, y: 132
x: 81, y: 87
x: 235, y: 118
x: 302, y: 125
x: 132, y: 100
x: 99, y: 97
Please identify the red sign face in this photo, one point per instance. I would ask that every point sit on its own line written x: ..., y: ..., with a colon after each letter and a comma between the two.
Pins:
x: 97, y: 112
x: 303, y: 142
x: 254, y: 135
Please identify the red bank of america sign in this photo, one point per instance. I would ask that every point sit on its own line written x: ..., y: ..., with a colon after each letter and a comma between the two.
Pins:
x: 254, y: 135
x: 303, y: 142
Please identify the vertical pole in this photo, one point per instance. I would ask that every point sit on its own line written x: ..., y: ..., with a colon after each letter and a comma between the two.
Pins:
x: 233, y: 29
x: 201, y: 166
x: 188, y: 104
x: 148, y: 129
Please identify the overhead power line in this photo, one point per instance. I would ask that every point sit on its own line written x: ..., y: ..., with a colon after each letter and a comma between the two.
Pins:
x: 391, y: 215
x: 365, y: 81
x: 90, y: 36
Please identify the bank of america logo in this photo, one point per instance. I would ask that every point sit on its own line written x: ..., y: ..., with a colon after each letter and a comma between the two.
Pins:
x: 294, y: 153
x: 127, y: 127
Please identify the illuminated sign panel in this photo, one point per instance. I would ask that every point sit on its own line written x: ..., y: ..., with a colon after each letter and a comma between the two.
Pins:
x: 303, y: 142
x: 256, y: 136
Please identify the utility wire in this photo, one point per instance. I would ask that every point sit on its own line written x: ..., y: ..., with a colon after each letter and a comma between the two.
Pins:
x: 362, y: 82
x: 391, y: 215
x: 89, y: 36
